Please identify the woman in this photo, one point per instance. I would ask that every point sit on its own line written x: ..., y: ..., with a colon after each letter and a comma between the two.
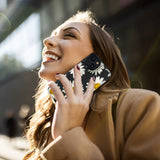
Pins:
x: 114, y: 123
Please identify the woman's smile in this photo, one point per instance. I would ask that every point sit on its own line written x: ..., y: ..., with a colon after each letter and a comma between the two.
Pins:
x: 50, y: 56
x: 63, y: 49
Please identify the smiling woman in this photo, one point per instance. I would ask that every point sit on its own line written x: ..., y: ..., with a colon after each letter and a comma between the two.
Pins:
x: 115, y: 122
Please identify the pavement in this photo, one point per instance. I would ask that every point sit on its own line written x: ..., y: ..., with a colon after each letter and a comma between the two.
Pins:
x: 12, y: 149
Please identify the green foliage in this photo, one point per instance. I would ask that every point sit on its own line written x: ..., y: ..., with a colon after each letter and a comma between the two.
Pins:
x: 9, y: 65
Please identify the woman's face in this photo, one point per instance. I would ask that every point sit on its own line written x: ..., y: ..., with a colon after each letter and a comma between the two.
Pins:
x: 67, y: 46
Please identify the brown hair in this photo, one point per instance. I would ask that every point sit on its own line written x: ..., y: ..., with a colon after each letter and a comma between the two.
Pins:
x: 104, y: 46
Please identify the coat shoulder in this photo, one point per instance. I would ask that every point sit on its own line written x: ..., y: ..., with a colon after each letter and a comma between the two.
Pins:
x: 133, y: 104
x: 132, y: 96
x: 140, y: 92
x: 137, y: 104
x: 137, y: 124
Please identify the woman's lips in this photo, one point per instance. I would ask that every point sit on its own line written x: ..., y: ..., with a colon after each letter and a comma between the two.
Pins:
x: 50, y: 56
x: 47, y: 59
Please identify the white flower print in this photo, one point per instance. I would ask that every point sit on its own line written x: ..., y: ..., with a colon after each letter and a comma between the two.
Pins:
x: 82, y: 70
x: 50, y: 91
x: 97, y: 70
x: 72, y: 72
x: 98, y: 82
x: 109, y: 73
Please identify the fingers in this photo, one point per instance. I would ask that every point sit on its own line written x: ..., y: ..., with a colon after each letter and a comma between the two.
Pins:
x: 89, y: 93
x: 56, y: 91
x: 66, y: 84
x: 78, y: 90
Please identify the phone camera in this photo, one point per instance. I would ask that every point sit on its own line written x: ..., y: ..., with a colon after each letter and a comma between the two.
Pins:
x: 92, y: 62
x: 92, y: 66
x: 93, y: 58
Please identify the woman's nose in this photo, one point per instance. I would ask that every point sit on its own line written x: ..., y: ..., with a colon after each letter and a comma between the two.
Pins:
x: 49, y: 42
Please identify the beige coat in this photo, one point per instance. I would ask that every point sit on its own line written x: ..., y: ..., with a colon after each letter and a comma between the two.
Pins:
x: 129, y: 130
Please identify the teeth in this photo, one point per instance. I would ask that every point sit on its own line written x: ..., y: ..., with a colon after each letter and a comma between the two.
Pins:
x: 54, y: 57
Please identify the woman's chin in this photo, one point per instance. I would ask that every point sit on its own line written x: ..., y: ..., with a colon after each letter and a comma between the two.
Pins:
x: 46, y: 75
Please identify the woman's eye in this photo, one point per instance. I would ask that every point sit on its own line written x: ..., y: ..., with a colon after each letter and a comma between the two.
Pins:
x: 69, y: 35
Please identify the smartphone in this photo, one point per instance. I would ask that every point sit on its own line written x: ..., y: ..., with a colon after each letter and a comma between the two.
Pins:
x: 91, y: 66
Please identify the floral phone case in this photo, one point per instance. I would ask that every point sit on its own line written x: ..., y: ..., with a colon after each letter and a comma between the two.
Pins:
x: 91, y: 66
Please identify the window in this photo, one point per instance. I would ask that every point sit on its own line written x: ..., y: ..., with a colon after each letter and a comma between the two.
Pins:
x: 24, y: 43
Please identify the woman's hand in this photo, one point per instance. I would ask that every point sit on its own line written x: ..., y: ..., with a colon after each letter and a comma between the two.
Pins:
x: 71, y: 111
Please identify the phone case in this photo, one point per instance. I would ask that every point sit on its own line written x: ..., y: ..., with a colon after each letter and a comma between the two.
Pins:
x: 91, y: 66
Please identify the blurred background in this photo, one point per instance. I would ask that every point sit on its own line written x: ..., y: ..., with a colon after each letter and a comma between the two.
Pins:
x: 135, y: 25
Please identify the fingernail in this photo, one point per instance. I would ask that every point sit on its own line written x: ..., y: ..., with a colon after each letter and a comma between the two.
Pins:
x: 57, y: 74
x: 78, y: 67
x: 93, y: 78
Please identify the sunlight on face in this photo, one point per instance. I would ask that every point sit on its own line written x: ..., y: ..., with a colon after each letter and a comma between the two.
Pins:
x: 67, y: 46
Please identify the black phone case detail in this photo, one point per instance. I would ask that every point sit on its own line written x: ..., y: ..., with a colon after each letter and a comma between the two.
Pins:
x: 91, y: 66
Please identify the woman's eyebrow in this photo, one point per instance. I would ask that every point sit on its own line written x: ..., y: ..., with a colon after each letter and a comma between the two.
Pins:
x: 68, y: 28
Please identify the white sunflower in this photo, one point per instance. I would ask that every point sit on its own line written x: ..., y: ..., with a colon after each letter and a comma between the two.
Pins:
x: 82, y: 70
x: 98, y: 82
x: 72, y: 72
x: 109, y: 73
x: 50, y: 90
x: 97, y: 70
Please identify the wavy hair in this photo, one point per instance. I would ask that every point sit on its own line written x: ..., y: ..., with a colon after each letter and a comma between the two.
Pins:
x: 104, y: 46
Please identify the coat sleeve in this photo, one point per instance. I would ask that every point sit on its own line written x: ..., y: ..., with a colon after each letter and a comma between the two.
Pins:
x: 139, y: 129
x: 72, y: 145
